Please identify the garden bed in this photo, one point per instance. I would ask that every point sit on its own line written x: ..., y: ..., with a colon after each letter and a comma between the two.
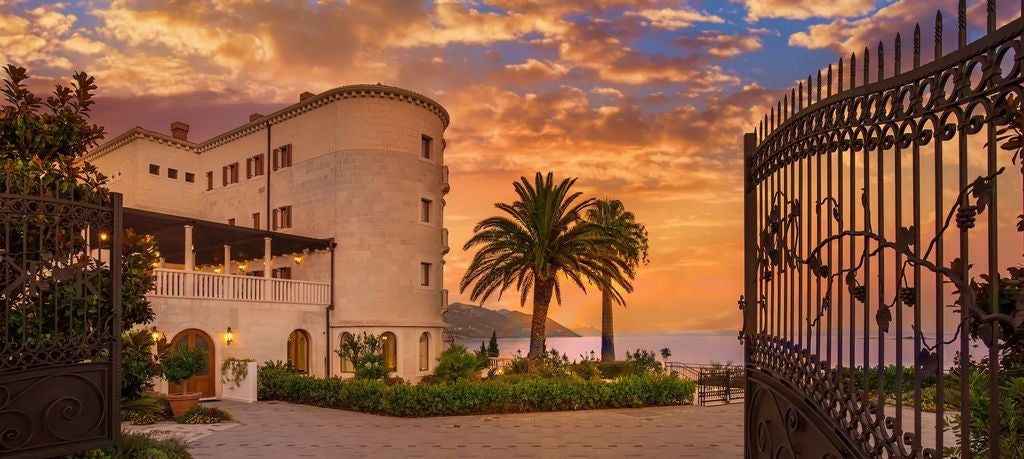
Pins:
x: 517, y: 395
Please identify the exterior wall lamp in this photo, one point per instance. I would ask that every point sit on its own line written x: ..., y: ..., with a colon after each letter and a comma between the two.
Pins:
x: 155, y: 335
x: 229, y: 336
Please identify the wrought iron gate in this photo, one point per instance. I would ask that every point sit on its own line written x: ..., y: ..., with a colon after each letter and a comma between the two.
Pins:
x: 881, y: 216
x: 60, y: 287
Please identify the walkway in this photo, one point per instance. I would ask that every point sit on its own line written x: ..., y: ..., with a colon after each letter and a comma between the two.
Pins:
x: 277, y: 429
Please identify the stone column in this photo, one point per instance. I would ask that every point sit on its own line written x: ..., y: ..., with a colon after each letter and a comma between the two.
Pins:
x: 227, y: 259
x: 266, y: 270
x: 190, y: 262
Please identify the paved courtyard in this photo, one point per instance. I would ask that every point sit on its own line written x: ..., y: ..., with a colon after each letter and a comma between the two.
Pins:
x: 277, y: 429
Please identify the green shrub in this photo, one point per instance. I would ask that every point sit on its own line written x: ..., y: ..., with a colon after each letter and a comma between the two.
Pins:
x: 138, y: 367
x: 372, y: 366
x: 586, y: 369
x: 887, y: 381
x: 366, y: 352
x: 1011, y: 416
x: 506, y: 394
x: 200, y: 414
x: 270, y: 378
x: 183, y: 363
x: 148, y: 409
x: 518, y: 366
x: 614, y: 369
x: 642, y: 362
x: 139, y: 445
x: 458, y: 364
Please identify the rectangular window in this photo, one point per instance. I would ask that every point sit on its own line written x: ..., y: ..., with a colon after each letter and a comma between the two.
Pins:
x: 254, y: 166
x: 425, y: 274
x: 190, y: 177
x: 425, y: 146
x: 282, y: 217
x: 282, y: 157
x: 425, y: 210
x: 231, y: 221
x: 282, y: 273
x: 230, y: 174
x: 209, y: 181
x: 154, y: 169
x: 172, y: 173
x: 256, y: 220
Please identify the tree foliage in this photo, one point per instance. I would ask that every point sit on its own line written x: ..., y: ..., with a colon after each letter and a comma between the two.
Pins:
x: 540, y: 239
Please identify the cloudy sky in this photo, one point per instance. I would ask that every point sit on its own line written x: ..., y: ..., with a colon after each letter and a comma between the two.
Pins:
x: 643, y: 100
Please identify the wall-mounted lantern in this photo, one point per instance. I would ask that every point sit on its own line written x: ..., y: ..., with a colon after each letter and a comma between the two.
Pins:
x: 229, y: 336
x: 156, y: 335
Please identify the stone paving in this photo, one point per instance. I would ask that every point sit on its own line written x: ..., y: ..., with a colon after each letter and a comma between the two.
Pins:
x: 277, y: 429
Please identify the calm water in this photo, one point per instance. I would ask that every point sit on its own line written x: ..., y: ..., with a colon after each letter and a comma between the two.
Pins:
x: 686, y: 347
x: 706, y: 347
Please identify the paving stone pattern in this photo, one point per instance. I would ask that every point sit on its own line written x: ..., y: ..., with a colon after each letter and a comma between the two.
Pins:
x: 276, y: 429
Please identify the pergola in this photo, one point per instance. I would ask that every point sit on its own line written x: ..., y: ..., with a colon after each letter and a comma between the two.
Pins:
x: 214, y: 243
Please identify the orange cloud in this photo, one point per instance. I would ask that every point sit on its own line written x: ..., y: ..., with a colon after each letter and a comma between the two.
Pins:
x: 803, y: 9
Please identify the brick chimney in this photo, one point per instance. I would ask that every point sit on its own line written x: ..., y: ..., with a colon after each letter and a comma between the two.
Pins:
x: 254, y: 117
x: 305, y: 95
x: 179, y: 130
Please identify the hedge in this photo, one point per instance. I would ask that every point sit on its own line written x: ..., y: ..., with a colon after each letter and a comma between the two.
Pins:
x: 474, y: 397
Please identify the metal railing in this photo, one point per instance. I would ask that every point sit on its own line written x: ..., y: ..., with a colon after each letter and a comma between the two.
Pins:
x: 716, y: 383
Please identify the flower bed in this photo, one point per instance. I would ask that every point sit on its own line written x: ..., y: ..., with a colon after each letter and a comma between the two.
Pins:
x: 474, y: 397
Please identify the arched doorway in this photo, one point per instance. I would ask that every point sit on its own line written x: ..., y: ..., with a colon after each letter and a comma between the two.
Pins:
x: 298, y: 350
x: 203, y: 381
x: 389, y: 346
x: 425, y: 351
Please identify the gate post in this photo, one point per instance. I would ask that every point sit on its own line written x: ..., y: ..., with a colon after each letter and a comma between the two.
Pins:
x: 749, y: 269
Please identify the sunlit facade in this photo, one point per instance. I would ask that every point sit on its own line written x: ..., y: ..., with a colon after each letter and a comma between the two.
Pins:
x: 322, y: 218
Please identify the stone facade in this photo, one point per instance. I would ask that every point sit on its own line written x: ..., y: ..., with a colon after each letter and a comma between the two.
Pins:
x: 367, y: 164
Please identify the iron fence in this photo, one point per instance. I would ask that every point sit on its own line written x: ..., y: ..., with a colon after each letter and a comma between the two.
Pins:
x: 716, y: 383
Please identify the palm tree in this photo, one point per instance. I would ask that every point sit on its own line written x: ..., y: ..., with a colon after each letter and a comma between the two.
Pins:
x: 628, y: 246
x: 540, y: 240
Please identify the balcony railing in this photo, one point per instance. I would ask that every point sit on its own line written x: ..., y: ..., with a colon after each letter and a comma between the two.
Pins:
x: 184, y: 284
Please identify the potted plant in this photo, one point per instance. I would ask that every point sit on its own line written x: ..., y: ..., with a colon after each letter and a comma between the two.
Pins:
x: 178, y: 366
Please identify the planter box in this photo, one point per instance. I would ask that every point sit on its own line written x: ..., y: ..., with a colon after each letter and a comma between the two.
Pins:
x: 244, y: 392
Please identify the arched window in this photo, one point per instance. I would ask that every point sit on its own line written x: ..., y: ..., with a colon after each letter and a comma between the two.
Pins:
x: 389, y: 345
x: 425, y: 351
x: 346, y: 364
x: 298, y: 351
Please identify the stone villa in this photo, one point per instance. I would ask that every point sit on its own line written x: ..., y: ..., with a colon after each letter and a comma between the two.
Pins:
x: 279, y: 236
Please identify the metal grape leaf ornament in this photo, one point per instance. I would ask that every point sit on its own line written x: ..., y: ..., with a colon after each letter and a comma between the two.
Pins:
x: 982, y: 192
x: 927, y: 363
x: 905, y: 238
x: 883, y: 317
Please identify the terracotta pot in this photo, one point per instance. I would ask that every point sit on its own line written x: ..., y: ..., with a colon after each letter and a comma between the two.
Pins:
x: 181, y: 403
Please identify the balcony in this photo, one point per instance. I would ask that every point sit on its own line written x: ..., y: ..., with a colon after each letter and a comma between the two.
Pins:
x: 172, y: 283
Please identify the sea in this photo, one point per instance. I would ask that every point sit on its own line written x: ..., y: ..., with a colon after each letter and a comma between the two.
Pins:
x: 702, y: 347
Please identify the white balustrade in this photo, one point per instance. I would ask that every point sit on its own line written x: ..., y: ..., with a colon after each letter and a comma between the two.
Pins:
x: 214, y: 286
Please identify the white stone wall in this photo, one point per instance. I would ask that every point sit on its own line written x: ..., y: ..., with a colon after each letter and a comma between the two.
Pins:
x: 260, y: 329
x: 357, y: 176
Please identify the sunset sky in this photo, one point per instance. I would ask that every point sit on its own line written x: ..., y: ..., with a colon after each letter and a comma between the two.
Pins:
x: 645, y: 101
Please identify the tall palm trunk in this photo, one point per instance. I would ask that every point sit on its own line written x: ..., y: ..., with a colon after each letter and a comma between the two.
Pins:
x: 542, y: 291
x: 607, y: 328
